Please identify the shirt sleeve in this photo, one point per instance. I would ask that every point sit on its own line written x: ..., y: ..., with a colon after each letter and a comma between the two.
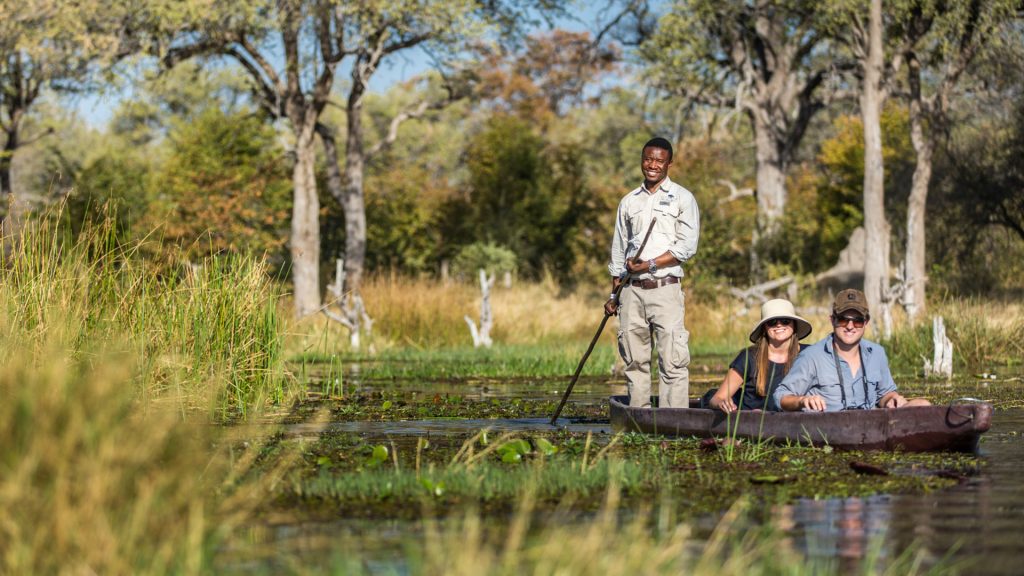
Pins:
x: 742, y: 364
x: 687, y: 229
x: 885, y: 382
x: 797, y: 382
x: 617, y: 264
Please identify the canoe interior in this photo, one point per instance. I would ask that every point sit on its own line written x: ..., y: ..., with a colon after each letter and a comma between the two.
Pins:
x: 955, y: 427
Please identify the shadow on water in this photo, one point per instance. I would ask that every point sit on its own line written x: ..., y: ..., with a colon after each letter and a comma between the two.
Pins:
x: 980, y: 521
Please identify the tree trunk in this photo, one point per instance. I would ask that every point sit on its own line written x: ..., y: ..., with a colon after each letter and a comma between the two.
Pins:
x: 305, y: 234
x: 10, y: 217
x: 771, y: 179
x: 916, y: 276
x: 876, y: 243
x: 353, y: 201
x: 6, y: 159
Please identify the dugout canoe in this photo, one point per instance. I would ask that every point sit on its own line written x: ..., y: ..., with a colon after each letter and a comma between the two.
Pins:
x: 956, y: 427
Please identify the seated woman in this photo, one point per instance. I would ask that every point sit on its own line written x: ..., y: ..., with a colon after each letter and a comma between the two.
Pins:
x: 759, y: 368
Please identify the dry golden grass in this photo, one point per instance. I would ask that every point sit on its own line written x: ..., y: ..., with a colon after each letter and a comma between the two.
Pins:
x: 427, y: 313
x: 91, y: 482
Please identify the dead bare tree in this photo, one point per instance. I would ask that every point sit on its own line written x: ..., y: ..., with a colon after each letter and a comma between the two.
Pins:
x: 482, y: 335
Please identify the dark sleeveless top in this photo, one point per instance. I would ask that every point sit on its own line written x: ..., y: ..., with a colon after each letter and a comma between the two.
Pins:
x: 745, y: 365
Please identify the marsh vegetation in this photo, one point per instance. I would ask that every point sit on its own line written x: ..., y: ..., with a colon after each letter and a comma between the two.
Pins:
x: 181, y: 181
x: 155, y: 415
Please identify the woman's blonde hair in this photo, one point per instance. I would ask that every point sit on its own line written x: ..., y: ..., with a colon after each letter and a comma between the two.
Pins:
x: 761, y: 360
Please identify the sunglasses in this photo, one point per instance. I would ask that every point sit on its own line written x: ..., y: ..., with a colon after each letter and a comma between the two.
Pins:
x: 778, y: 322
x: 858, y: 321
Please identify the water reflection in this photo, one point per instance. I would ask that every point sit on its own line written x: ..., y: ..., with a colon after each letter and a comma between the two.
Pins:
x: 837, y: 528
x: 979, y: 522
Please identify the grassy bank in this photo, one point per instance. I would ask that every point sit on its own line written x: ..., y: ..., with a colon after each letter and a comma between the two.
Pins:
x: 542, y: 331
x: 93, y: 482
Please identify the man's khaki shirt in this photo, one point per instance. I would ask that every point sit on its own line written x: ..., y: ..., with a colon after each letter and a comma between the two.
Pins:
x: 676, y: 229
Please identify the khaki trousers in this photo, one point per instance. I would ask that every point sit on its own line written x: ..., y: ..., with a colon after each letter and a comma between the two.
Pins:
x: 658, y: 311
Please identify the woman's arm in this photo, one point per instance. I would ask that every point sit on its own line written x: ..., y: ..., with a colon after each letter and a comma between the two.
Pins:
x: 722, y: 400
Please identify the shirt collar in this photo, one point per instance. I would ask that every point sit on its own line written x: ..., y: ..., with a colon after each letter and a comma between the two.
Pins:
x: 866, y: 346
x: 662, y: 188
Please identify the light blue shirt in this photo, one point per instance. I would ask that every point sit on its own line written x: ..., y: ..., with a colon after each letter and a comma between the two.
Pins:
x: 814, y: 373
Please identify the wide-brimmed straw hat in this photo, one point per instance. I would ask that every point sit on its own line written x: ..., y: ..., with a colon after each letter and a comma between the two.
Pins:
x: 781, y: 308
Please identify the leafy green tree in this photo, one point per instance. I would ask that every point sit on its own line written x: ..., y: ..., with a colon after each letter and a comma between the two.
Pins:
x: 292, y: 50
x: 113, y: 185
x: 976, y: 206
x: 124, y: 171
x: 401, y: 233
x: 223, y: 189
x: 940, y: 41
x: 508, y: 179
x: 764, y: 59
x: 490, y: 257
x: 49, y: 45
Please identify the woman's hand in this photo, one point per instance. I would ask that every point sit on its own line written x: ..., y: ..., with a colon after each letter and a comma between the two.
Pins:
x: 724, y: 404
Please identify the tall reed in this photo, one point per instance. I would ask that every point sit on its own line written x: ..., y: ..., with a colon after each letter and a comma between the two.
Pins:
x: 191, y: 327
x: 99, y: 474
x: 90, y: 481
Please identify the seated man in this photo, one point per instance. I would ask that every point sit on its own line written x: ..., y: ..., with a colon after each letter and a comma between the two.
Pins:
x: 842, y: 371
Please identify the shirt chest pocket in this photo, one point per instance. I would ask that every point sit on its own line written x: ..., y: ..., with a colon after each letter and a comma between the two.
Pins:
x: 637, y: 221
x: 870, y: 381
x: 666, y: 212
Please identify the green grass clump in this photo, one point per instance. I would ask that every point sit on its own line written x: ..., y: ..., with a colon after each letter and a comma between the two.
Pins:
x: 195, y: 329
x: 488, y: 482
x: 501, y: 361
x: 984, y: 335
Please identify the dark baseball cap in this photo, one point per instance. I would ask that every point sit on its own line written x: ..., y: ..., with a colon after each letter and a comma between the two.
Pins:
x: 850, y: 299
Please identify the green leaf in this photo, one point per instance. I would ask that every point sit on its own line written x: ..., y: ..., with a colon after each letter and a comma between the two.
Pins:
x: 386, y: 405
x: 545, y: 447
x: 378, y: 456
x: 521, y: 446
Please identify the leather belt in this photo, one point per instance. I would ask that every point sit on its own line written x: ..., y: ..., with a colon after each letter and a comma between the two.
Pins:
x: 654, y: 283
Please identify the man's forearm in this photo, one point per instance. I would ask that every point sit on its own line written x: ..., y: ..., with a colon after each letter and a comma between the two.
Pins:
x: 790, y: 403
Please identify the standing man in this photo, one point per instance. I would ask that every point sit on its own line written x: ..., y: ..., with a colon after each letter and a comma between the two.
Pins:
x: 652, y: 300
x: 842, y: 371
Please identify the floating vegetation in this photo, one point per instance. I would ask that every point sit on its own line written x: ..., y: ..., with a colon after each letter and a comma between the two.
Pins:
x: 347, y: 472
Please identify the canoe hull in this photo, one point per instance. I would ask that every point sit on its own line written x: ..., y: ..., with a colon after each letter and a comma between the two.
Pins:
x: 956, y: 427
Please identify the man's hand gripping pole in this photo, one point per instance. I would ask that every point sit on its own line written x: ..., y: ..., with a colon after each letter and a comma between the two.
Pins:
x: 583, y: 361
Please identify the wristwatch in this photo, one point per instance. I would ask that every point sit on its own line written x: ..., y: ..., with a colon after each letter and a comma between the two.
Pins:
x: 652, y: 266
